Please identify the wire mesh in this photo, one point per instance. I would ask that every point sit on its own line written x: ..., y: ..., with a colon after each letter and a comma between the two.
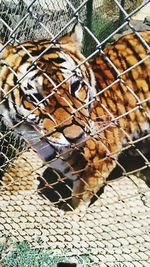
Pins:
x: 64, y: 134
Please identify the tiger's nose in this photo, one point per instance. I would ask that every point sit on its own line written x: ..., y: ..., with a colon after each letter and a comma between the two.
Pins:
x: 74, y: 133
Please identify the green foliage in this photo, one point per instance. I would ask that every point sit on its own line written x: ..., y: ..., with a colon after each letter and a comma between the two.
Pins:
x: 23, y: 255
x: 104, y: 20
x: 101, y: 27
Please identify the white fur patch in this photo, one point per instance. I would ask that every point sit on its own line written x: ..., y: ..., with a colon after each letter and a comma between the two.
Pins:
x: 145, y: 127
x: 78, y: 34
x: 6, y: 115
x: 58, y: 142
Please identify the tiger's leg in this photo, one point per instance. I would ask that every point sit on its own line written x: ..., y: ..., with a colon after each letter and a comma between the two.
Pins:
x: 76, y: 178
x: 101, y: 154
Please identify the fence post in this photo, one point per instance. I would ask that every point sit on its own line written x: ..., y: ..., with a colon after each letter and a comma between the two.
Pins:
x: 89, y: 8
x: 121, y: 14
x: 89, y: 11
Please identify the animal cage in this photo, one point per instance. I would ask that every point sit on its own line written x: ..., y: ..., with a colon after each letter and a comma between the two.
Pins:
x: 74, y: 133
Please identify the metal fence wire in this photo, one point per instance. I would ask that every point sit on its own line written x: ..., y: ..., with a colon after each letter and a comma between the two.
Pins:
x: 74, y: 102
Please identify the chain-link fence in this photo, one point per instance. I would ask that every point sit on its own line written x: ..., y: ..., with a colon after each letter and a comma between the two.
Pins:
x: 74, y: 102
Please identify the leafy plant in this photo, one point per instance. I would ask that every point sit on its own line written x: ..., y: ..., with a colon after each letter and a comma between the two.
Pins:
x: 23, y: 255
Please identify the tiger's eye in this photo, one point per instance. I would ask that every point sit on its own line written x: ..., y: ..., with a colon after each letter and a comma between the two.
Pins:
x: 34, y: 97
x: 75, y: 87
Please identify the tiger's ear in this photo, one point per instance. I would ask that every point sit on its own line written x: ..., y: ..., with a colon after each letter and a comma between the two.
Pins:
x: 74, y: 38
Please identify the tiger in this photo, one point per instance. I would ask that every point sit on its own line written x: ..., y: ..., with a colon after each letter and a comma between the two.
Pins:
x: 88, y: 110
x: 34, y: 93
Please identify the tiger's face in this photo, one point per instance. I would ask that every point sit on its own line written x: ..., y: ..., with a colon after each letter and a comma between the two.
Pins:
x: 52, y: 87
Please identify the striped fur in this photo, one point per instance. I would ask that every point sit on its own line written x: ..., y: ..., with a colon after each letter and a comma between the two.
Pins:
x: 31, y: 72
x: 117, y: 113
x: 128, y: 100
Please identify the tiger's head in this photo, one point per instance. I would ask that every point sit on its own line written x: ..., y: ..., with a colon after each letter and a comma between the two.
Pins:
x: 72, y: 87
x: 53, y: 85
